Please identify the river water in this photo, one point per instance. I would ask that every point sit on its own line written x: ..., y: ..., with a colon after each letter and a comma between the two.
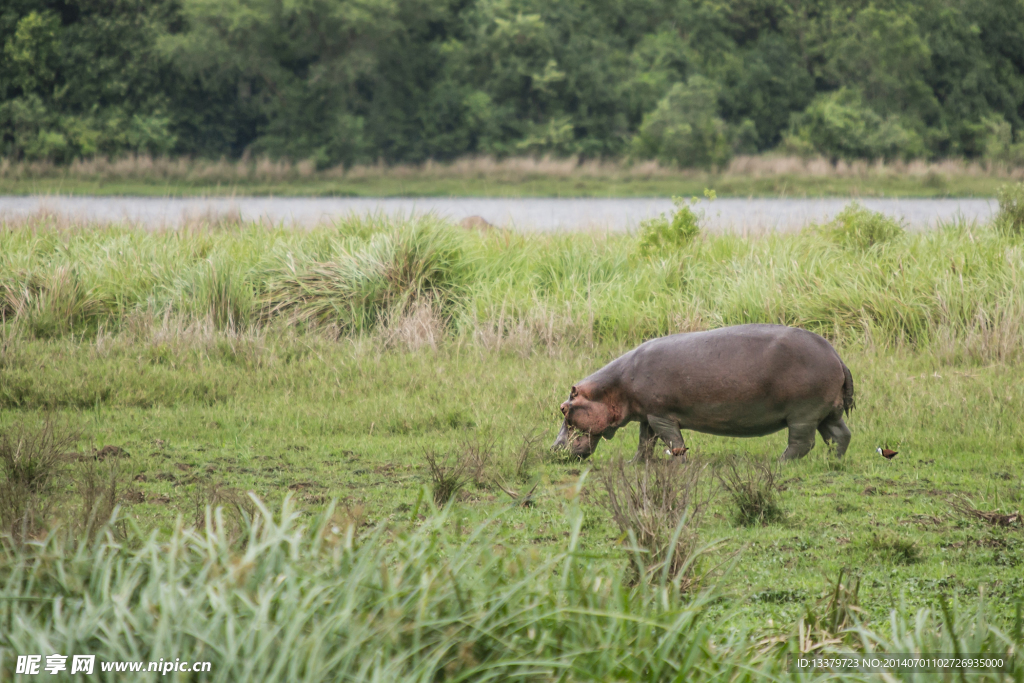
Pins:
x: 746, y: 216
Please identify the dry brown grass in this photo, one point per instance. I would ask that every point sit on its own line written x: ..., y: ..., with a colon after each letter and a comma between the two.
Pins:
x: 818, y: 167
x: 423, y: 325
x: 266, y: 170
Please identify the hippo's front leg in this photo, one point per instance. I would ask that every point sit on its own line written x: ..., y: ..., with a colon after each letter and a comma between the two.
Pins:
x: 669, y: 432
x: 645, y: 448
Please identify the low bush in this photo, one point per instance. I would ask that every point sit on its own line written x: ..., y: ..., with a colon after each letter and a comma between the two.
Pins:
x: 662, y: 235
x: 860, y: 228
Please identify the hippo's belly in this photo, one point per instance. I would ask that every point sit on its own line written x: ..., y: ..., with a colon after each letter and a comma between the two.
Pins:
x: 734, y: 419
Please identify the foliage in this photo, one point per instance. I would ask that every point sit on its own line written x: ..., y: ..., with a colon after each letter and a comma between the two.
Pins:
x: 685, y: 128
x: 315, y: 598
x: 893, y: 548
x: 446, y: 479
x: 662, y: 235
x: 305, y: 601
x: 860, y: 228
x: 839, y: 608
x: 368, y: 280
x: 344, y: 82
x: 839, y: 125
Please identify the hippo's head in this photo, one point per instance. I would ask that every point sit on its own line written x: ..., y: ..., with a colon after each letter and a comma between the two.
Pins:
x: 588, y: 417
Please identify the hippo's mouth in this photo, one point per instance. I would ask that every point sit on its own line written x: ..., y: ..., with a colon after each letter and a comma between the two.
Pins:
x: 580, y: 444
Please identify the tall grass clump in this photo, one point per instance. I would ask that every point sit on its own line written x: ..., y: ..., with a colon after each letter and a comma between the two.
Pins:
x: 1010, y: 219
x: 448, y: 475
x: 860, y: 228
x: 218, y: 290
x: 658, y: 505
x: 33, y: 458
x: 366, y: 281
x: 51, y: 304
x: 752, y: 489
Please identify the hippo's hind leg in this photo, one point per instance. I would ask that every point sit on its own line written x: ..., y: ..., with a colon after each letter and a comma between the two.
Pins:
x: 833, y: 429
x: 801, y: 440
x: 646, y: 446
x: 669, y: 433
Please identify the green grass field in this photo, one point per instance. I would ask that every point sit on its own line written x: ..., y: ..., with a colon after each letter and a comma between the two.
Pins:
x: 328, y: 367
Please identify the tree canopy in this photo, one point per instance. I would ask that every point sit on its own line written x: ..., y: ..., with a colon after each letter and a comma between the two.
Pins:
x: 689, y: 82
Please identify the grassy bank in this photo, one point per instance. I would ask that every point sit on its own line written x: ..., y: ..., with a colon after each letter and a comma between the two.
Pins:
x: 956, y: 291
x: 382, y: 365
x: 515, y: 177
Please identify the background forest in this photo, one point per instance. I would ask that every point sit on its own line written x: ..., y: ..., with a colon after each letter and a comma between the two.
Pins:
x: 686, y: 82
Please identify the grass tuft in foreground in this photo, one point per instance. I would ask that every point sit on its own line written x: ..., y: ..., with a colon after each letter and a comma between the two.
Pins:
x: 313, y: 600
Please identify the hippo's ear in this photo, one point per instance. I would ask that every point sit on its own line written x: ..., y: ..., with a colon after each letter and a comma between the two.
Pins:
x: 574, y: 392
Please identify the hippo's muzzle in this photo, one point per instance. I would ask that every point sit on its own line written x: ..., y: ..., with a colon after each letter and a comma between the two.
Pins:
x: 579, y: 444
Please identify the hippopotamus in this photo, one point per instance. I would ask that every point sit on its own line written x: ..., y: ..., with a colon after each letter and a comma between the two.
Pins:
x: 747, y: 380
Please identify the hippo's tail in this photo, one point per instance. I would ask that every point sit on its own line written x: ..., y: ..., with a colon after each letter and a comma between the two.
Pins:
x: 848, y: 402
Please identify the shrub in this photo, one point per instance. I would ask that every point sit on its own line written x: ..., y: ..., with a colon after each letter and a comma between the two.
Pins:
x: 659, y: 505
x: 1010, y: 219
x: 860, y: 228
x: 661, y: 234
x: 751, y: 487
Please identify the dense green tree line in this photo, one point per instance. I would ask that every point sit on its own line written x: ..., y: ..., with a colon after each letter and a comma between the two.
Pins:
x: 344, y: 81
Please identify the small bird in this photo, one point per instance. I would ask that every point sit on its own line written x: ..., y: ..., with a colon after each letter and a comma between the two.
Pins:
x: 886, y: 453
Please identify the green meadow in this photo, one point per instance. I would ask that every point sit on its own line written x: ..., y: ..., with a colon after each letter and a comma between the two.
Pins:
x: 325, y: 454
